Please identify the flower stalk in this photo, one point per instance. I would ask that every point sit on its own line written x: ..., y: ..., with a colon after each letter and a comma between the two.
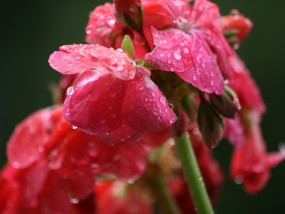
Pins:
x: 193, y: 176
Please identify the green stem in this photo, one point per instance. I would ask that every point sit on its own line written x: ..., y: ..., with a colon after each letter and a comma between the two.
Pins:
x: 164, y: 198
x: 193, y: 176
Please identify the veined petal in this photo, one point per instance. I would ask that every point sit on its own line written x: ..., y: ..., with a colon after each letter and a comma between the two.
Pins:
x: 145, y: 107
x: 189, y: 56
x: 71, y: 59
x: 95, y: 105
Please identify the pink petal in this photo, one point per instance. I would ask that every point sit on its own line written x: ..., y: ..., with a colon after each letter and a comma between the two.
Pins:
x: 96, y: 102
x: 235, y: 132
x: 73, y: 59
x: 69, y: 63
x: 31, y: 137
x: 191, y: 59
x: 222, y: 50
x: 145, y: 108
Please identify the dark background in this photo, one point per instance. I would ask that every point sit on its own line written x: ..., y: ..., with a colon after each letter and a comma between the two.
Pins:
x: 32, y: 30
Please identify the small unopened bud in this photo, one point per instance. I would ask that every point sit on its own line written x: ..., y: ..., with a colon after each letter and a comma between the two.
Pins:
x: 227, y: 104
x: 236, y: 27
x: 210, y: 124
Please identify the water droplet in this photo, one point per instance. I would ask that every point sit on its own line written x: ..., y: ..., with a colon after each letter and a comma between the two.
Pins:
x: 131, y: 181
x: 236, y: 46
x: 199, y: 70
x: 111, y: 22
x: 171, y: 105
x: 194, y: 77
x: 74, y: 127
x: 120, y: 50
x: 163, y: 100
x: 116, y: 66
x: 70, y: 91
x: 94, y: 165
x: 74, y: 200
x: 92, y: 153
x: 186, y: 50
x: 239, y: 179
x: 177, y: 55
x: 88, y: 30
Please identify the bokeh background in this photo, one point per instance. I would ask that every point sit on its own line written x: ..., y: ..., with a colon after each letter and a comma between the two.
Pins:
x: 31, y: 30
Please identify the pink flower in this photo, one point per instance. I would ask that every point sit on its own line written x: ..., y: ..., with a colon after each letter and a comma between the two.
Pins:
x: 245, y: 87
x: 251, y: 163
x: 112, y: 97
x: 121, y: 199
x: 236, y: 27
x: 66, y: 158
x: 104, y: 29
x: 196, y: 50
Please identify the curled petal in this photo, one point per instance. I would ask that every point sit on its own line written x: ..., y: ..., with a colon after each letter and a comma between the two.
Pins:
x: 33, y: 137
x: 145, y: 107
x: 71, y: 59
x: 190, y: 59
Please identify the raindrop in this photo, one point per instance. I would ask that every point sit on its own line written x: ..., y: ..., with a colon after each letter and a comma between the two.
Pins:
x: 88, y: 30
x: 74, y: 200
x: 111, y: 22
x: 186, y: 50
x: 171, y: 105
x: 94, y: 165
x: 74, y: 127
x: 177, y: 55
x: 163, y: 100
x: 70, y: 91
x: 239, y: 179
x: 236, y: 46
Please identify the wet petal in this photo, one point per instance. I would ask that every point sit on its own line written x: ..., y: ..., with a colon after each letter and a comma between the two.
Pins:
x: 96, y: 102
x: 191, y: 59
x: 145, y: 108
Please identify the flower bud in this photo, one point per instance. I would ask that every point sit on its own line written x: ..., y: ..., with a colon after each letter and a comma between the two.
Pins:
x: 236, y: 27
x: 227, y: 104
x: 210, y: 124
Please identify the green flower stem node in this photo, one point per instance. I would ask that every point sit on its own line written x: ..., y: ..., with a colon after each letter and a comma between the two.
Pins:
x: 193, y: 176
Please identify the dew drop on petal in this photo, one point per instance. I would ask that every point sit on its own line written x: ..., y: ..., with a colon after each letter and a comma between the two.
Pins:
x: 70, y: 91
x: 74, y: 200
x: 74, y: 127
x: 163, y: 100
x: 186, y: 50
x: 88, y: 31
x: 177, y: 55
x: 239, y: 179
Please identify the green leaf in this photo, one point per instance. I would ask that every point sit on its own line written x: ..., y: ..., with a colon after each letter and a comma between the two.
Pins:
x: 128, y: 47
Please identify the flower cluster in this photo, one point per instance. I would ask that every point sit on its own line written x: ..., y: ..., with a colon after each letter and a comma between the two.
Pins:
x: 151, y: 71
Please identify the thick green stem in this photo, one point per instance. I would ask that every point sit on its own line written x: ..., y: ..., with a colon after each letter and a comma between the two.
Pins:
x: 193, y: 176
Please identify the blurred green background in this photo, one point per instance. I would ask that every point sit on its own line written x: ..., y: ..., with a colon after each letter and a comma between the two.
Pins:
x: 31, y: 30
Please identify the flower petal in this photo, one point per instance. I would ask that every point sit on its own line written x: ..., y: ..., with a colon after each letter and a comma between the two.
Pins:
x: 191, y: 59
x: 96, y: 102
x: 145, y: 108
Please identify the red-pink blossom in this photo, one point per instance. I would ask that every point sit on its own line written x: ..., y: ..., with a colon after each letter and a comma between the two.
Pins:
x: 121, y: 199
x: 251, y: 163
x: 196, y: 50
x: 236, y: 27
x: 245, y: 87
x: 104, y: 29
x: 112, y: 97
